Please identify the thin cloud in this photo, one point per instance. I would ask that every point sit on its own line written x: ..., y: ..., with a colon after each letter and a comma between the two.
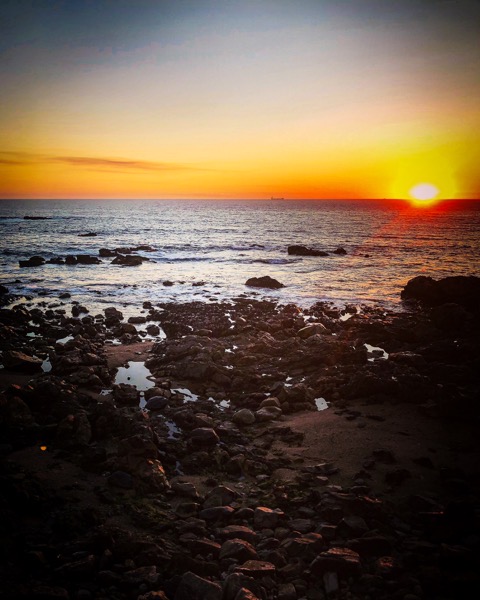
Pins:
x: 94, y: 163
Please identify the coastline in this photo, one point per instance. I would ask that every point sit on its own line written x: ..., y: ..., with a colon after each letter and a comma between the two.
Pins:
x: 233, y: 479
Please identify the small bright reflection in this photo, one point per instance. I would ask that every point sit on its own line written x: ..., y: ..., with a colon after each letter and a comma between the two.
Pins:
x: 43, y: 448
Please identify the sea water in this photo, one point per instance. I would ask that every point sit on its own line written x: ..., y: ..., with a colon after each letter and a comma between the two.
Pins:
x: 209, y: 248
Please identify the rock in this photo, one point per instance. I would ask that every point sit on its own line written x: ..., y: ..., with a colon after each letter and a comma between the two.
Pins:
x: 266, y: 518
x: 185, y: 489
x: 371, y: 546
x: 243, y: 416
x: 86, y: 259
x: 126, y: 395
x: 287, y: 591
x: 239, y: 549
x: 264, y: 282
x: 153, y: 329
x: 351, y: 526
x: 463, y: 290
x: 193, y: 587
x: 128, y: 260
x: 33, y: 261
x: 74, y: 430
x: 18, y: 361
x: 237, y: 531
x: 113, y: 313
x: 343, y: 561
x: 304, y: 251
x: 204, y: 436
x: 340, y: 251
x: 310, y: 330
x: 268, y: 413
x: 88, y: 234
x: 106, y: 253
x: 156, y: 403
x: 216, y: 513
x: 137, y: 320
x: 256, y: 568
x: 34, y: 218
x: 3, y: 290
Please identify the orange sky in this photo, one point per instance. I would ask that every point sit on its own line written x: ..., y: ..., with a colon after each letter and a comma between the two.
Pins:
x: 239, y: 100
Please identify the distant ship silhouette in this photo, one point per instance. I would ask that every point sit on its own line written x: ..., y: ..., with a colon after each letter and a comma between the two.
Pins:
x: 275, y: 198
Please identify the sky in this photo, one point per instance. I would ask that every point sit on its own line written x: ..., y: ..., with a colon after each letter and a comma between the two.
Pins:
x: 239, y: 99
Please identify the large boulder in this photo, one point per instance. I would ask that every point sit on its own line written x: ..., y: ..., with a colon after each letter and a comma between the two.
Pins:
x: 463, y: 290
x: 264, y: 282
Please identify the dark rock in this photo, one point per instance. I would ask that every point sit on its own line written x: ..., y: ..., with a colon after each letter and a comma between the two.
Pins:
x: 128, y: 260
x: 266, y: 518
x: 340, y: 251
x: 113, y: 313
x: 33, y: 218
x: 463, y: 290
x: 193, y: 587
x: 256, y: 568
x: 156, y: 403
x: 87, y: 259
x: 204, y: 436
x: 106, y: 253
x: 3, y: 290
x: 89, y: 234
x: 33, y: 261
x: 18, y: 361
x: 343, y: 561
x: 304, y: 251
x: 239, y: 549
x: 264, y: 282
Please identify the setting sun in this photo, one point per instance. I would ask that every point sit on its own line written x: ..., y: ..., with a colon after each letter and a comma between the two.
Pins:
x: 424, y: 191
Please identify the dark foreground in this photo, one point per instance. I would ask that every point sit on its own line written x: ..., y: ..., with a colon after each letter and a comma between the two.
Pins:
x: 249, y: 491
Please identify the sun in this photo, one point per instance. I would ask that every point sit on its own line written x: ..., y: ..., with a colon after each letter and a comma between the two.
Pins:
x: 424, y: 191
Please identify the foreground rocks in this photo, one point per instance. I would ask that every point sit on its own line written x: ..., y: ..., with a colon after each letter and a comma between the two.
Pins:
x: 188, y: 499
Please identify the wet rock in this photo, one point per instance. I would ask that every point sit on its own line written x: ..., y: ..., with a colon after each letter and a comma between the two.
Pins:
x: 264, y: 282
x: 3, y: 290
x: 88, y: 234
x: 33, y: 261
x: 19, y: 361
x: 153, y: 329
x: 193, y: 587
x: 341, y: 251
x: 304, y: 251
x: 107, y: 253
x: 74, y: 430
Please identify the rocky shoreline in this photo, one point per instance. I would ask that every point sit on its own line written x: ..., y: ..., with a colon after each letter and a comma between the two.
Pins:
x: 269, y: 452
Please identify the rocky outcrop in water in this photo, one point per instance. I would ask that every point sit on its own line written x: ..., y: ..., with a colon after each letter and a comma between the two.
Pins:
x: 461, y: 290
x: 304, y: 251
x: 264, y: 282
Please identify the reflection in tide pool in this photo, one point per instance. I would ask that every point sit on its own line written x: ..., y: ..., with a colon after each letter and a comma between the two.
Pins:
x: 137, y: 374
x: 321, y: 403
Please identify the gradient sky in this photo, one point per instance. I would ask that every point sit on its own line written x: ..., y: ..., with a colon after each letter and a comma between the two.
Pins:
x: 239, y: 99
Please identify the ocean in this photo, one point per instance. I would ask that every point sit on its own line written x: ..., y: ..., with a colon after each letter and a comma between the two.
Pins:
x: 208, y: 248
